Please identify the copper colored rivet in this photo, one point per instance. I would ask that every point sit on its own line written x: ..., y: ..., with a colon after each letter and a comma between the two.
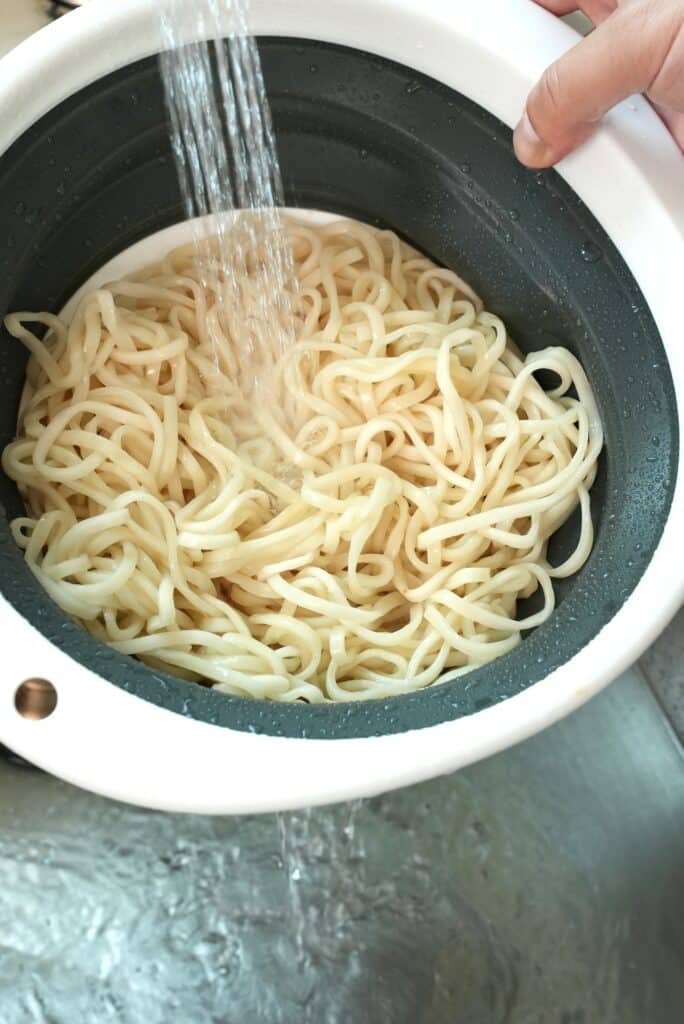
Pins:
x: 35, y: 699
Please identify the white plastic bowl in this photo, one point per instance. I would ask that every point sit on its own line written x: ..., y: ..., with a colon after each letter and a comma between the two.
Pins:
x: 492, y: 51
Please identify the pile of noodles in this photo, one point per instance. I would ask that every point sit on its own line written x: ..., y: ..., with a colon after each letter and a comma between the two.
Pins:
x: 377, y: 546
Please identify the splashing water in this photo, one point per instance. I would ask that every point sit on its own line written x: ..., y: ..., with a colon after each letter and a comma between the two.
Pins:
x: 320, y: 928
x: 224, y: 148
x: 324, y: 924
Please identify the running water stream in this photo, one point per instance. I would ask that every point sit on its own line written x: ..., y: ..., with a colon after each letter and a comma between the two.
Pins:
x: 228, y: 171
x: 322, y: 920
x: 227, y: 164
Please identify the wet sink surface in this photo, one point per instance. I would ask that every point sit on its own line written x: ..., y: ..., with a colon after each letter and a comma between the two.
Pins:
x: 544, y: 885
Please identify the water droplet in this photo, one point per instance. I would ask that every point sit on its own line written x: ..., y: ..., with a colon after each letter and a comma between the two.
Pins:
x: 514, y: 215
x: 466, y: 168
x: 20, y: 208
x: 363, y: 153
x: 540, y: 178
x: 60, y: 188
x: 590, y: 252
x: 655, y: 440
x: 134, y: 98
x: 412, y: 88
x: 313, y: 68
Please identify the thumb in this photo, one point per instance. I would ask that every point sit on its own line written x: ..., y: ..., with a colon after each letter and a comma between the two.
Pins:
x: 619, y: 58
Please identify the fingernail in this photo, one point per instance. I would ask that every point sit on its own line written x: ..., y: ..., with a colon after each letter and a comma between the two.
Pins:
x: 529, y: 148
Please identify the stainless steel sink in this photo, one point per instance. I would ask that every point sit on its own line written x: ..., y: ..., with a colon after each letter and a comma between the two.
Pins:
x: 544, y: 885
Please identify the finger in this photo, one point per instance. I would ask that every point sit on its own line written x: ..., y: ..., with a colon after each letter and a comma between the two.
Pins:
x: 596, y: 10
x: 620, y: 57
x: 675, y: 122
x: 559, y: 7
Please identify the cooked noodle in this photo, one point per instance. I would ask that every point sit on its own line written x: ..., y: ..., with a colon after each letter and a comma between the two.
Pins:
x: 379, y: 547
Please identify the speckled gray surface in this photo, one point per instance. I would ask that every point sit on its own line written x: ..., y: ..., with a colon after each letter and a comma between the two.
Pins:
x: 540, y: 887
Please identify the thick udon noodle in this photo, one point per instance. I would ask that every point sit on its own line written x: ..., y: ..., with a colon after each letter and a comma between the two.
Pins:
x: 381, y: 547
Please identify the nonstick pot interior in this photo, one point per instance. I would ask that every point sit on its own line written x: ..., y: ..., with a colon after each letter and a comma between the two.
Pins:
x: 368, y: 138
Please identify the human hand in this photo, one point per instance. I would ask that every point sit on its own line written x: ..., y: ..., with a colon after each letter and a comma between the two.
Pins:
x: 637, y: 46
